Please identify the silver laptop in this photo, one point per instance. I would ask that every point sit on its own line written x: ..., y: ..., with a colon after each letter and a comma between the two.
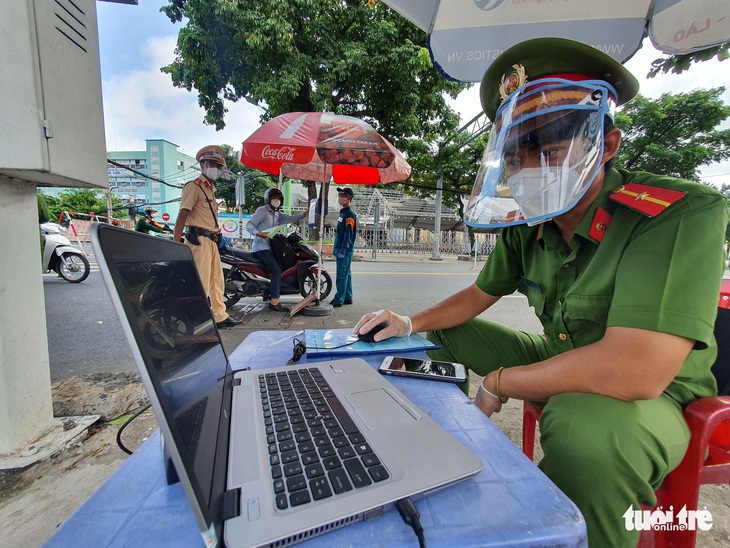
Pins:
x: 272, y: 456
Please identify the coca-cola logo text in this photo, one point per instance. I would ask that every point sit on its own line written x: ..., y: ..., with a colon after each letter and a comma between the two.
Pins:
x: 344, y: 127
x: 283, y: 154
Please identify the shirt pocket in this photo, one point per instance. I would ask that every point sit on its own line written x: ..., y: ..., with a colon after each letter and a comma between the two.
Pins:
x: 585, y: 317
x: 535, y: 299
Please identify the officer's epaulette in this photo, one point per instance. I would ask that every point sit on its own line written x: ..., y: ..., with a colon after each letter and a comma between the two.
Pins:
x: 649, y: 200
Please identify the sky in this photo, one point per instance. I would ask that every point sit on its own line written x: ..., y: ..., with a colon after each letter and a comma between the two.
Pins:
x: 141, y: 103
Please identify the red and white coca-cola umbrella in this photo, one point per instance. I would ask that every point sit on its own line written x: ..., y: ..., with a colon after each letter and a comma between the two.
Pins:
x: 322, y: 146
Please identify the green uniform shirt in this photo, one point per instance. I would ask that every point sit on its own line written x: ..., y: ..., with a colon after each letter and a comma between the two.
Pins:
x: 661, y: 273
x: 145, y: 225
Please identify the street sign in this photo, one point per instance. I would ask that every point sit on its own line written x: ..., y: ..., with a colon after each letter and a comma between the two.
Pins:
x: 240, y: 191
x: 165, y: 216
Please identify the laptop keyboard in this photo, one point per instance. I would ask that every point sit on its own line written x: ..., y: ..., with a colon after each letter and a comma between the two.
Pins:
x: 315, y: 449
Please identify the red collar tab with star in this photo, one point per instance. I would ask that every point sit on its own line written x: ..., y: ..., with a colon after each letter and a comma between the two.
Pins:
x: 599, y: 225
x: 202, y: 181
x: 649, y: 200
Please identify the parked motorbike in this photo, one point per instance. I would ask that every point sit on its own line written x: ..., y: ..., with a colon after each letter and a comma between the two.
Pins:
x: 60, y: 256
x: 246, y: 276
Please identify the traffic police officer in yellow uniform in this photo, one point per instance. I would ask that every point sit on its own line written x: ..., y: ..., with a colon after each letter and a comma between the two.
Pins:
x: 623, y: 269
x: 199, y: 213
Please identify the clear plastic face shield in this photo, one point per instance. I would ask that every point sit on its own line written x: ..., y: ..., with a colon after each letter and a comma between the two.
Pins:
x: 543, y: 152
x: 213, y: 170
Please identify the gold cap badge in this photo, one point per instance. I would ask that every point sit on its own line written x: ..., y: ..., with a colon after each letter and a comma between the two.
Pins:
x: 511, y: 81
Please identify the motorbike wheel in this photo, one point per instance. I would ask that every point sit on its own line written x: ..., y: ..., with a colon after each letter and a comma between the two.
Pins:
x: 309, y: 283
x: 73, y: 268
x: 230, y: 297
x: 165, y: 325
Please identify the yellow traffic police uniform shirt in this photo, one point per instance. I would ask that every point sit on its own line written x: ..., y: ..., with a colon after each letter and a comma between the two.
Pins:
x: 199, y: 197
x: 648, y: 255
x: 197, y: 203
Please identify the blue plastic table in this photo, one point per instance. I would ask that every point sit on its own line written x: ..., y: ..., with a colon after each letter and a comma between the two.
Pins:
x: 509, y: 503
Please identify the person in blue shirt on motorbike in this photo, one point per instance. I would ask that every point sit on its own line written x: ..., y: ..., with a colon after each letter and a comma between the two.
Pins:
x: 268, y: 216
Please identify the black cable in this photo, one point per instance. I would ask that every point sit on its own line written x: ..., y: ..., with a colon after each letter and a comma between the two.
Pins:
x: 410, y: 515
x: 300, y: 348
x: 152, y: 178
x: 126, y: 423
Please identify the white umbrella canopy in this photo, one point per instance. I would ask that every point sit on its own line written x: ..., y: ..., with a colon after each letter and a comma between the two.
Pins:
x: 464, y: 37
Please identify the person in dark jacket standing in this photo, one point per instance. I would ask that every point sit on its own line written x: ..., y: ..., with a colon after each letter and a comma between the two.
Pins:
x: 344, y: 247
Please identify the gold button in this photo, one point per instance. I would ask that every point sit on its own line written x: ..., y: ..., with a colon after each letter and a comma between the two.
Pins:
x: 563, y: 337
x: 600, y: 227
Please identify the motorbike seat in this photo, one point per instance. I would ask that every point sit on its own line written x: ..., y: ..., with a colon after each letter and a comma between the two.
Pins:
x: 248, y: 256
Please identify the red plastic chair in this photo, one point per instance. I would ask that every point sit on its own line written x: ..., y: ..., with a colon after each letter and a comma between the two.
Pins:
x: 707, y: 460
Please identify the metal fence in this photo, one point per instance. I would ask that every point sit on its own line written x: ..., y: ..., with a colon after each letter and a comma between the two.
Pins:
x: 416, y: 241
x: 413, y: 241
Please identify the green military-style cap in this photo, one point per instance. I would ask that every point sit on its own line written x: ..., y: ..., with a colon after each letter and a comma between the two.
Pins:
x: 557, y: 57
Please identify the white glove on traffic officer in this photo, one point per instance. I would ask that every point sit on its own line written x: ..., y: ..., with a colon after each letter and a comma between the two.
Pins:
x: 396, y: 325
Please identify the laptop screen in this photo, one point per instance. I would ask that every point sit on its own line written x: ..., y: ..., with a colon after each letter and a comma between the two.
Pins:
x: 173, y: 328
x: 173, y: 322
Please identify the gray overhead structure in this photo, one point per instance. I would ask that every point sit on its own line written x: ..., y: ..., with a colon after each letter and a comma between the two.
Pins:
x: 398, y: 210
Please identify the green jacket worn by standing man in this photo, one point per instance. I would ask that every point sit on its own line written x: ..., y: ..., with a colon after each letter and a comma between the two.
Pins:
x: 623, y: 270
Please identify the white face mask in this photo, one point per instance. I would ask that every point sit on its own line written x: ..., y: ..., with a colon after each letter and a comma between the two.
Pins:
x: 541, y: 192
x: 212, y: 173
x: 275, y: 204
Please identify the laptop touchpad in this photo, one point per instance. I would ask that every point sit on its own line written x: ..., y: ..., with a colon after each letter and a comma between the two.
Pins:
x: 378, y: 409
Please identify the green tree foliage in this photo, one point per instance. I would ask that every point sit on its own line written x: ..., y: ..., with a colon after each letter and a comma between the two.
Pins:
x: 311, y: 55
x: 454, y: 160
x: 679, y: 63
x: 44, y: 214
x: 674, y: 135
x: 449, y: 159
x: 84, y: 200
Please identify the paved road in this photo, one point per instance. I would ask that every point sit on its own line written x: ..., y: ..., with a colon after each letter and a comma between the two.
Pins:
x: 84, y: 334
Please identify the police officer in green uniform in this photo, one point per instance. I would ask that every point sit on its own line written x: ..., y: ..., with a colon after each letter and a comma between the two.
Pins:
x: 623, y: 269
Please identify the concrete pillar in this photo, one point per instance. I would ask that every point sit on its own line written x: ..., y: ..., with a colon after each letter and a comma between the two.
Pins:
x: 26, y: 410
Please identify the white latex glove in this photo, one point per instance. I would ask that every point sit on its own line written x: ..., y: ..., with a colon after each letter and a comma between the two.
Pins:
x: 486, y: 401
x: 397, y: 325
